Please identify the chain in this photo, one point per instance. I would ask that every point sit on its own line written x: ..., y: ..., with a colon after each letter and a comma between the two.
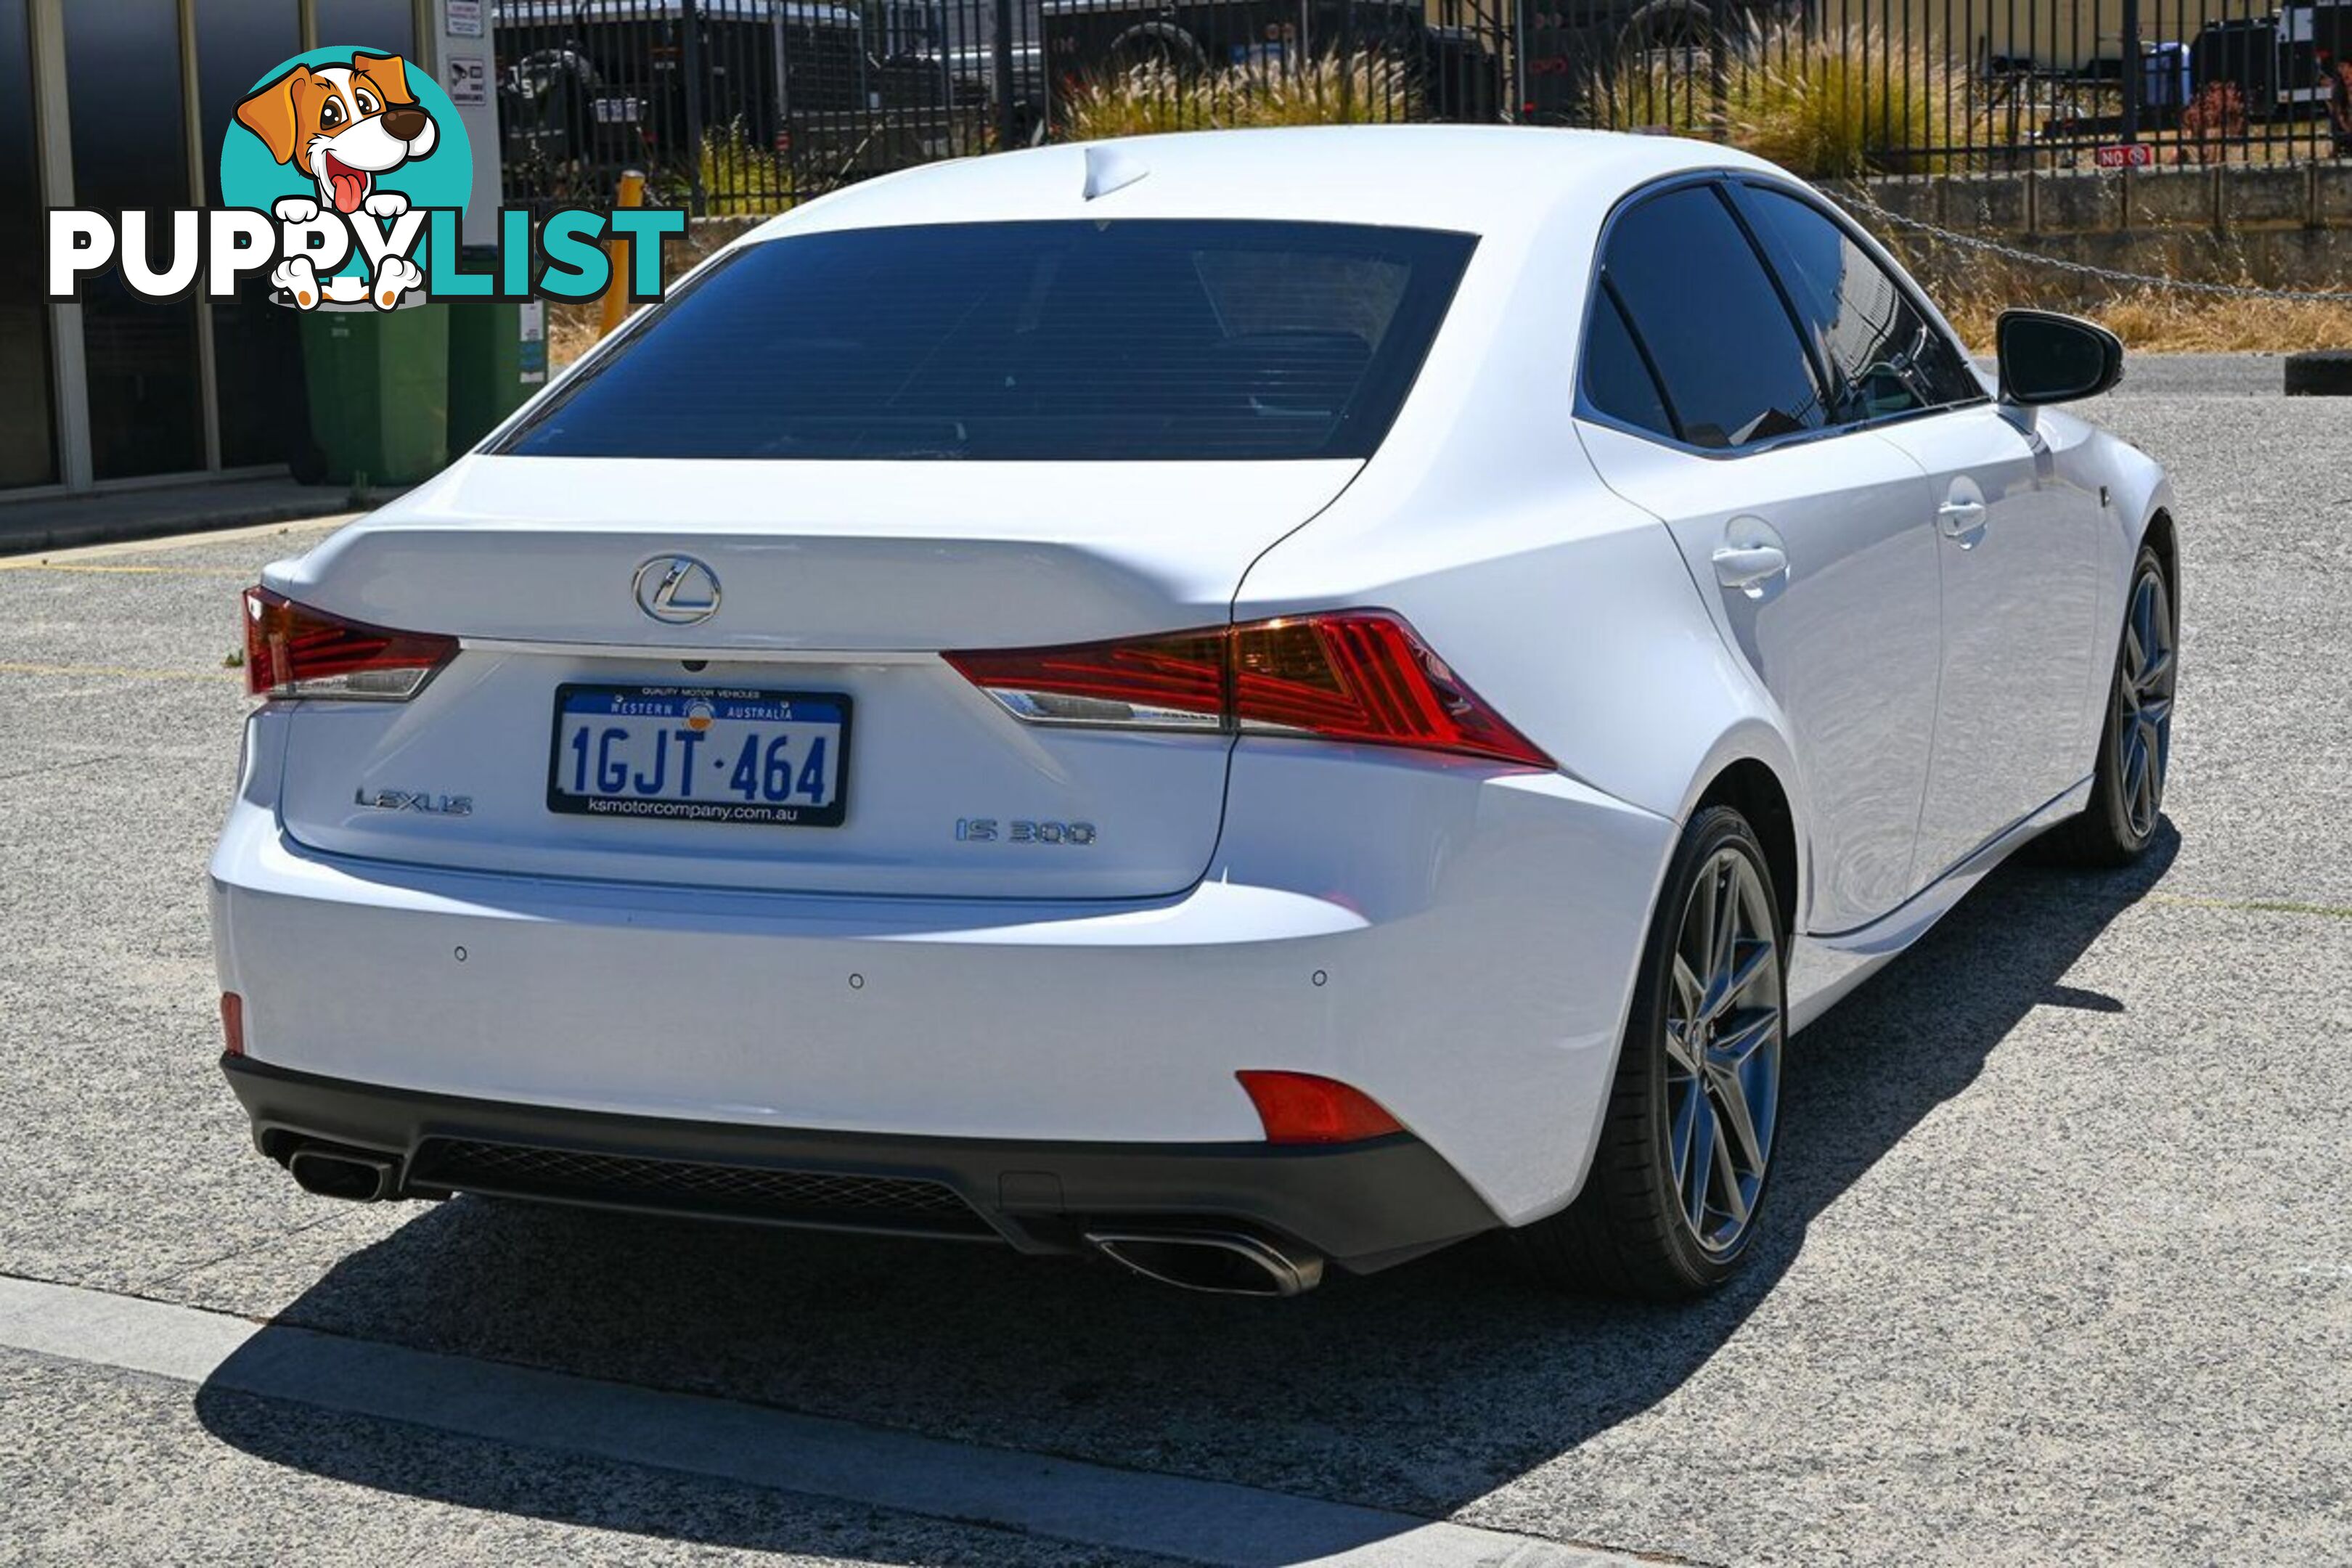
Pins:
x: 1852, y: 197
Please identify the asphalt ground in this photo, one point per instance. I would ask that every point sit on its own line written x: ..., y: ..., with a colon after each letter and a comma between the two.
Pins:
x: 2058, y: 1265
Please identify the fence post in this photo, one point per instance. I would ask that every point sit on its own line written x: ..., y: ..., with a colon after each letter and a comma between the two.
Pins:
x: 999, y: 69
x: 1517, y: 111
x: 690, y: 21
x: 2135, y: 71
x: 1347, y: 63
x: 1719, y: 76
x: 616, y: 287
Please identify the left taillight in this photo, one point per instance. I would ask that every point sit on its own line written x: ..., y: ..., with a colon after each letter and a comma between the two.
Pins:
x: 293, y: 651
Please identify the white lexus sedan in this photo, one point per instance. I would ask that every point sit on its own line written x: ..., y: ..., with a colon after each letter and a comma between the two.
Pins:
x: 1243, y: 702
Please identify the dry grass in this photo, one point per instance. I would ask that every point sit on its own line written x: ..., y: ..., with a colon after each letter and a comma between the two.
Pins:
x: 2161, y: 321
x: 1974, y: 290
x: 572, y: 331
x: 1364, y: 89
x: 1828, y: 106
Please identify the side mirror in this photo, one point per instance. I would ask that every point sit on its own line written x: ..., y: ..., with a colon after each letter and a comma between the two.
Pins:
x: 2049, y: 358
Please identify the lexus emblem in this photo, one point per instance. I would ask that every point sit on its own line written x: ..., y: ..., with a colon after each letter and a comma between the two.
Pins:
x: 677, y: 590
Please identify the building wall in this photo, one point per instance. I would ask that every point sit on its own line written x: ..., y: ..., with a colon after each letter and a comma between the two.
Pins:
x: 114, y: 389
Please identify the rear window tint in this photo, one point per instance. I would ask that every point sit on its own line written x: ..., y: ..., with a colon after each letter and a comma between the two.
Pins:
x: 1116, y: 340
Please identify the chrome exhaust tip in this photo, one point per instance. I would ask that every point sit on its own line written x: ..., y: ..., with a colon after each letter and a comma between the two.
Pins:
x: 340, y: 1173
x: 1224, y: 1263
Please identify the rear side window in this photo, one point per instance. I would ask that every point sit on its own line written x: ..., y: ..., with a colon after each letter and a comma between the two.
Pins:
x: 1887, y: 358
x: 1617, y: 379
x: 1064, y: 340
x: 1730, y: 366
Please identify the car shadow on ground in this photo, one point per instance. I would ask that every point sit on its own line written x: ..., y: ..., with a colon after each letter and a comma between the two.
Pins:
x: 1422, y: 1389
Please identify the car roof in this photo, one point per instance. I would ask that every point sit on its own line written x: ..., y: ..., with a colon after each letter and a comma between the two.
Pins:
x: 1474, y: 179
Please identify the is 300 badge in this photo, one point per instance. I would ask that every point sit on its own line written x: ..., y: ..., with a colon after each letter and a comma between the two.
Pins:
x: 990, y: 830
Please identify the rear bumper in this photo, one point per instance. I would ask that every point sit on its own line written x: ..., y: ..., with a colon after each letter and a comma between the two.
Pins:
x: 1363, y: 1205
x: 1456, y: 942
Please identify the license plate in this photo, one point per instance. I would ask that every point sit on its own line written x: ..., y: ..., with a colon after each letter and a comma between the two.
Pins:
x: 700, y: 754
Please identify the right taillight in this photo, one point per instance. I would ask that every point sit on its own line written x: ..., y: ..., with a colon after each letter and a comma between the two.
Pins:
x: 293, y: 651
x: 1343, y: 675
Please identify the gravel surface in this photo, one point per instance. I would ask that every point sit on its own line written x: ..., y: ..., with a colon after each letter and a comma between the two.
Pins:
x: 2057, y: 1268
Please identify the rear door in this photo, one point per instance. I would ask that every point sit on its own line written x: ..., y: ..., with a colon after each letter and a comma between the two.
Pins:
x: 2016, y: 537
x: 1701, y: 403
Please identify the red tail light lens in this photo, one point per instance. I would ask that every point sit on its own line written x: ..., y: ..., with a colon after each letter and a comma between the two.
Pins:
x: 1172, y: 682
x: 1300, y: 1107
x: 1364, y: 676
x: 1348, y: 675
x: 233, y: 1023
x: 293, y: 651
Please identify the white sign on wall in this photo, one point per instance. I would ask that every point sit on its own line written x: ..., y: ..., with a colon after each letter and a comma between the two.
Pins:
x: 467, y: 78
x: 463, y: 19
x: 534, y: 343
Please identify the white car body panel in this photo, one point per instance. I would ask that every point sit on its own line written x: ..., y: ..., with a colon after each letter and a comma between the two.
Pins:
x: 1455, y: 938
x: 2025, y: 656
x: 1847, y: 644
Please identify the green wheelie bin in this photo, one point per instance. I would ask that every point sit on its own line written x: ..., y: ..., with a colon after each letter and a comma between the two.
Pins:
x: 498, y: 358
x: 379, y: 393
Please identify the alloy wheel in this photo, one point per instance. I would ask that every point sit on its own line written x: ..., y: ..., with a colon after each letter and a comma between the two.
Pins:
x: 2144, y: 702
x: 1723, y: 1030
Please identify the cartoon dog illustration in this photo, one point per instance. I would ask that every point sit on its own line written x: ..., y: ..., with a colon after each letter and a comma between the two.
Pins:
x: 344, y: 125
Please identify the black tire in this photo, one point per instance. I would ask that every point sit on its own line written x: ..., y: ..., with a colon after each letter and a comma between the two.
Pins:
x: 1627, y: 1233
x: 1162, y: 44
x: 2113, y: 830
x: 1667, y: 25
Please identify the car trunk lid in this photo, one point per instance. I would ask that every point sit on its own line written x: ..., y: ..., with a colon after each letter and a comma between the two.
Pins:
x: 834, y: 581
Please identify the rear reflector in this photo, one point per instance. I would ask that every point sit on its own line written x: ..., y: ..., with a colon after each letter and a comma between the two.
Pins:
x: 1349, y: 675
x: 293, y: 651
x: 1299, y: 1108
x: 233, y: 1021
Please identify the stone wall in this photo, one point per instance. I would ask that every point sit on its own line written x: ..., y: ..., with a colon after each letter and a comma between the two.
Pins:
x: 2285, y: 226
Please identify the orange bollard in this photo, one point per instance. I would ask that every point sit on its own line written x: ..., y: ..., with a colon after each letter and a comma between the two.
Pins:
x: 616, y: 287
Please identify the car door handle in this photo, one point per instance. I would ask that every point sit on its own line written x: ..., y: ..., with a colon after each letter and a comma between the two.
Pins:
x: 1749, y: 567
x: 1963, y: 520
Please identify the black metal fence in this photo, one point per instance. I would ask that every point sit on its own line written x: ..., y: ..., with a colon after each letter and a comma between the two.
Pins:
x: 748, y: 106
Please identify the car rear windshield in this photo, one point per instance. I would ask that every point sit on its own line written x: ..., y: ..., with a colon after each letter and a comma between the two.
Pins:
x: 1127, y: 341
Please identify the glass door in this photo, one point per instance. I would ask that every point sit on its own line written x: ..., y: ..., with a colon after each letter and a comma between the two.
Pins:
x: 128, y: 118
x: 29, y: 444
x: 257, y: 345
